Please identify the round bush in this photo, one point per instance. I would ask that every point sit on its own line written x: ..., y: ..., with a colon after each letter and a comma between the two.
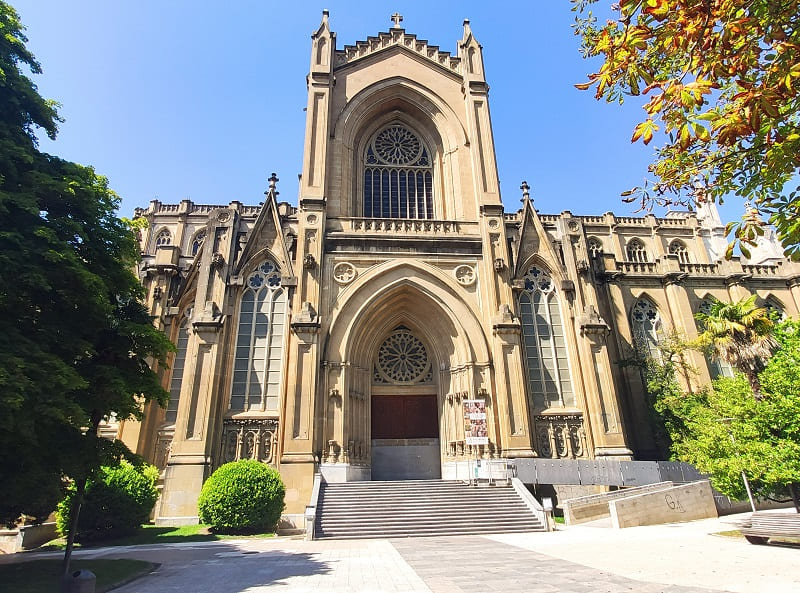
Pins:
x: 242, y: 496
x: 116, y: 504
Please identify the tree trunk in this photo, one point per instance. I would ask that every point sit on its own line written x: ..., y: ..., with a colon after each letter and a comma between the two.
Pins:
x: 794, y: 488
x: 77, y: 501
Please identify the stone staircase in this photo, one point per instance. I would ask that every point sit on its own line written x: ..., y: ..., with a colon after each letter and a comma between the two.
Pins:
x: 419, y: 508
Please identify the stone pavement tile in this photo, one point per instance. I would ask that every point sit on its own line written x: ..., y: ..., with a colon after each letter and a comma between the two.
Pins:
x: 473, y: 564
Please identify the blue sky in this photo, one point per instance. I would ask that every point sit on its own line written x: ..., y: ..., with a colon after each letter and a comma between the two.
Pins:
x: 174, y: 99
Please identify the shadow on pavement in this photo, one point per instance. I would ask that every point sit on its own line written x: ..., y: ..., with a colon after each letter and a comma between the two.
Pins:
x: 222, y: 568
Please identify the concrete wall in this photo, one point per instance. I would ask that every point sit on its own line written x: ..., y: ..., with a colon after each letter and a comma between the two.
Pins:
x: 596, y: 506
x: 679, y: 503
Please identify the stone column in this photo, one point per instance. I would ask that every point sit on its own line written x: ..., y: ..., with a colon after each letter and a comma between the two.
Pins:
x: 516, y: 438
x: 607, y: 429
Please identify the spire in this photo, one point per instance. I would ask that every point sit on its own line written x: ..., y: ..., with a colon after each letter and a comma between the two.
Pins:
x: 526, y: 192
x: 273, y: 184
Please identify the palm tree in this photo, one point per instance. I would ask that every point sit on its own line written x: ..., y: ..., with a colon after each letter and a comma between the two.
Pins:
x: 740, y: 334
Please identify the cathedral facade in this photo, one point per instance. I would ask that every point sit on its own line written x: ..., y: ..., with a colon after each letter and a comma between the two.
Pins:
x: 344, y: 335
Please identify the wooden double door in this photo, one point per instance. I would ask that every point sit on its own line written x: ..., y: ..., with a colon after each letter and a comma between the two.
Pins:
x: 405, y: 437
x: 405, y: 417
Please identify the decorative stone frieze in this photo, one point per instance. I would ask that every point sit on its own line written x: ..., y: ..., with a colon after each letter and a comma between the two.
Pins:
x: 249, y: 439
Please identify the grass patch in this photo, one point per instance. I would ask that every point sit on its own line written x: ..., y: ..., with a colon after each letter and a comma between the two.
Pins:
x: 559, y: 520
x: 45, y: 575
x: 734, y: 533
x: 152, y: 534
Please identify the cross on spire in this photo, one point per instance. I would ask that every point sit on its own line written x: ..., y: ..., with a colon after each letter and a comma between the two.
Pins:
x: 397, y: 19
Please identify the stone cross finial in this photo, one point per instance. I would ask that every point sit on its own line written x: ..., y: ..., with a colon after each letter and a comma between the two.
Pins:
x: 526, y: 190
x: 273, y: 180
x: 397, y: 19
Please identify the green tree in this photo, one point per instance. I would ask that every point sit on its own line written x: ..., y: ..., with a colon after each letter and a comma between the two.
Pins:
x: 721, y: 82
x: 74, y: 338
x: 724, y: 431
x: 740, y: 334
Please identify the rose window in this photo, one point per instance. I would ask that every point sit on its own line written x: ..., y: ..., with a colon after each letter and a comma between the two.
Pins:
x: 402, y: 358
x: 397, y: 146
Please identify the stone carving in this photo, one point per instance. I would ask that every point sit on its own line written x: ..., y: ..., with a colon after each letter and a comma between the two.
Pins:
x: 465, y: 275
x: 344, y: 272
x: 560, y: 436
x: 249, y: 439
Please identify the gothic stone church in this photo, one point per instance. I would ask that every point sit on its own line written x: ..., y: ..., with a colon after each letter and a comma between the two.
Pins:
x: 341, y: 336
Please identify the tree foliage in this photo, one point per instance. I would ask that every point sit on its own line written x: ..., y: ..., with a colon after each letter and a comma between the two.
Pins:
x: 74, y: 338
x: 721, y: 87
x: 740, y: 334
x: 724, y: 430
x: 118, y: 501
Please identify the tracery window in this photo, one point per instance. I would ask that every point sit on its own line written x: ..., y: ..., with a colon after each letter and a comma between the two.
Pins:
x: 398, y: 175
x: 164, y: 237
x: 178, y: 364
x: 647, y: 328
x: 636, y: 251
x: 595, y: 247
x: 716, y: 366
x: 549, y: 382
x: 259, y: 343
x: 198, y: 240
x: 678, y: 248
x: 774, y: 310
x: 402, y: 358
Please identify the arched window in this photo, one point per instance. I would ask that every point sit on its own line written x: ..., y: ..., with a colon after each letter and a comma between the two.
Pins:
x: 164, y: 237
x: 595, y: 247
x: 398, y: 175
x: 647, y: 328
x: 774, y: 309
x: 198, y: 240
x: 259, y: 342
x: 716, y: 366
x: 636, y: 251
x: 549, y: 382
x: 678, y: 248
x: 178, y: 364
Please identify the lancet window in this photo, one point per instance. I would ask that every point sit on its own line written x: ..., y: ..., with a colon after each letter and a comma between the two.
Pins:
x: 595, y: 247
x: 198, y: 240
x: 679, y: 248
x: 549, y: 382
x: 259, y: 342
x: 647, y: 328
x: 774, y: 310
x: 164, y: 237
x: 178, y: 364
x: 398, y: 175
x: 636, y: 251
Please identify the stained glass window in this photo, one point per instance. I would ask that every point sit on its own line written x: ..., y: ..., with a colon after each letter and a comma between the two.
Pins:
x: 259, y: 343
x: 398, y: 175
x: 549, y: 382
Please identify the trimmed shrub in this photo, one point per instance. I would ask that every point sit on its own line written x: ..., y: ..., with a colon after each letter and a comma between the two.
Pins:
x: 242, y: 497
x: 116, y: 504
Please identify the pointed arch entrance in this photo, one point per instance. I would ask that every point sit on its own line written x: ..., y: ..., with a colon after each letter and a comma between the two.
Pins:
x: 403, y: 347
x: 404, y: 410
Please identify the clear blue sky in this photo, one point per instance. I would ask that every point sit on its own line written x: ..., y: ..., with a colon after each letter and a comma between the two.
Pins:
x: 175, y: 99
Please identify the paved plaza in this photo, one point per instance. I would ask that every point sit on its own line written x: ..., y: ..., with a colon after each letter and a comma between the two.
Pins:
x: 678, y: 558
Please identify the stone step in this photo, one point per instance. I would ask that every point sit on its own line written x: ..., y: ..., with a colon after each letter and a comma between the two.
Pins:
x: 419, y: 508
x: 401, y: 532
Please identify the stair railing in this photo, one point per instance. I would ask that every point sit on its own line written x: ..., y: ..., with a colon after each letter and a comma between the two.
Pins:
x: 311, y: 507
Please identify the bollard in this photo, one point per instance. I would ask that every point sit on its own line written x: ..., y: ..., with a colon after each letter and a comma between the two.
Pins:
x: 81, y: 581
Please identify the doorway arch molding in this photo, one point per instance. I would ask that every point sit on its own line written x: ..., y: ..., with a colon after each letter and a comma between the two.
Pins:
x: 385, y: 296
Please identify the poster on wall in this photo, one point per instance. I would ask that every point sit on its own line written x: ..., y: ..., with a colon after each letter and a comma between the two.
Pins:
x: 475, y: 422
